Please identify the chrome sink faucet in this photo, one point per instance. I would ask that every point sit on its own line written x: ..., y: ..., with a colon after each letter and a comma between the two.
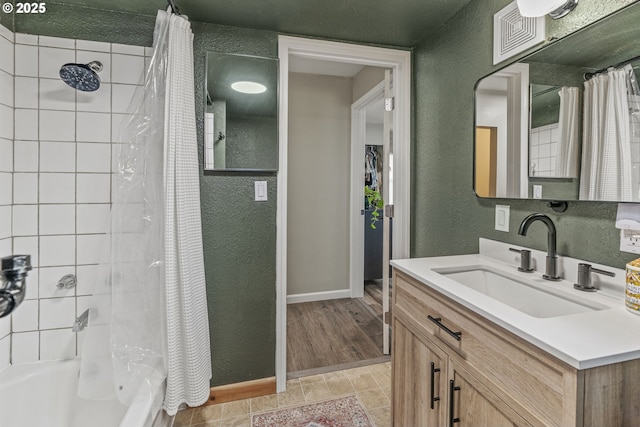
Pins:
x: 552, y: 258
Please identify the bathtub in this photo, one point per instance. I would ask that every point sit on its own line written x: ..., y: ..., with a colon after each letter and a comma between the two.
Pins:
x: 44, y: 394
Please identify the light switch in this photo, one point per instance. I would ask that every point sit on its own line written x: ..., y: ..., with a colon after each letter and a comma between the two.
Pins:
x: 261, y: 191
x: 537, y: 191
x: 502, y: 217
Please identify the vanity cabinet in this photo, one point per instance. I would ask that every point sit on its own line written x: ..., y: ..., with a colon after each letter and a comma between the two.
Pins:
x: 453, y: 367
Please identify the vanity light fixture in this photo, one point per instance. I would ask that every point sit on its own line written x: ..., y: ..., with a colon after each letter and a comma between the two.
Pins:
x: 248, y: 87
x: 556, y: 9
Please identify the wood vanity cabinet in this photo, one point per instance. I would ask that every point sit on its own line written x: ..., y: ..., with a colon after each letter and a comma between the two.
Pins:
x: 487, y: 376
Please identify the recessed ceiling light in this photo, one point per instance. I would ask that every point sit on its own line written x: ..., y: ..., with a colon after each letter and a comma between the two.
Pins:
x: 248, y: 87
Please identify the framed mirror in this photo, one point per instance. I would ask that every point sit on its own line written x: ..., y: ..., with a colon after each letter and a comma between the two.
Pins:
x: 241, y: 113
x: 539, y: 123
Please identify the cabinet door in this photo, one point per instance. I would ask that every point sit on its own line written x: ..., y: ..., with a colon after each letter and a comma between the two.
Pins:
x: 472, y: 404
x: 420, y: 377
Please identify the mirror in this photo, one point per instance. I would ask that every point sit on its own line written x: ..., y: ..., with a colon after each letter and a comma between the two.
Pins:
x: 241, y: 119
x: 529, y: 119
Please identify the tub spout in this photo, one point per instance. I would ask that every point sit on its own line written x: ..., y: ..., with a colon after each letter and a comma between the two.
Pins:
x: 81, y: 322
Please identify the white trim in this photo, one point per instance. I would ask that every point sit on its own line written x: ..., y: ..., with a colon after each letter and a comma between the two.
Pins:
x: 318, y: 296
x: 400, y: 62
x: 356, y: 226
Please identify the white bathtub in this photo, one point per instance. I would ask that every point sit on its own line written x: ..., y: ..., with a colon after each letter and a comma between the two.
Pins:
x: 44, y: 394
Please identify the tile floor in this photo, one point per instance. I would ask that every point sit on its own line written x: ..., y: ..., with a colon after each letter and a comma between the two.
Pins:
x: 372, y: 385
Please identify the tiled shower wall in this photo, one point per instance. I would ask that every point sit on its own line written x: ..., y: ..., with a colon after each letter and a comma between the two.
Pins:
x: 543, y: 153
x: 63, y: 144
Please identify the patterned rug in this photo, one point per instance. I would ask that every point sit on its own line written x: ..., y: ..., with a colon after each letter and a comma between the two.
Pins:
x: 342, y: 412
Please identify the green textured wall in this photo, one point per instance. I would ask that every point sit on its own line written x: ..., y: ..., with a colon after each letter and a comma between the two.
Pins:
x: 447, y: 218
x: 239, y: 234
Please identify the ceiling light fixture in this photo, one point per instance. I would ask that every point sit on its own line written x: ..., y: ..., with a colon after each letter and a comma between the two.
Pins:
x: 555, y: 8
x: 248, y: 87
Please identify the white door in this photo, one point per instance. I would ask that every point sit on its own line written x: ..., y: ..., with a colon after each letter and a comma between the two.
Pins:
x: 387, y: 196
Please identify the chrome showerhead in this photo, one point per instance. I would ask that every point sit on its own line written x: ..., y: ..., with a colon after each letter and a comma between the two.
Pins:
x: 82, y: 77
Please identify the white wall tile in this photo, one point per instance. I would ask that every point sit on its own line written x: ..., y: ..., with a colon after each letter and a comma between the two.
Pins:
x: 5, y: 352
x: 27, y: 91
x: 6, y: 55
x: 90, y: 248
x: 91, y: 45
x: 57, y: 156
x: 126, y: 69
x: 51, y: 59
x: 6, y: 155
x: 32, y: 284
x: 25, y: 188
x: 93, y: 188
x: 6, y: 188
x: 49, y: 278
x: 127, y: 49
x: 5, y: 222
x: 25, y: 318
x: 84, y: 57
x: 6, y: 33
x: 57, y: 42
x: 57, y: 312
x: 6, y: 88
x: 6, y: 122
x: 57, y: 125
x: 6, y: 247
x: 25, y: 220
x: 26, y: 124
x: 118, y: 121
x: 57, y: 344
x: 27, y: 246
x: 22, y: 38
x: 25, y: 156
x: 25, y: 347
x: 57, y: 219
x: 122, y: 97
x: 26, y: 60
x: 94, y: 157
x: 57, y: 95
x: 93, y: 218
x: 57, y: 251
x: 87, y: 275
x: 93, y: 127
x: 57, y: 188
x: 5, y: 326
x: 97, y: 101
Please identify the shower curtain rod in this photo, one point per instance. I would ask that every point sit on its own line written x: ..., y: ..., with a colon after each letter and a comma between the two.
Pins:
x: 173, y: 6
x: 588, y: 76
x: 542, y: 92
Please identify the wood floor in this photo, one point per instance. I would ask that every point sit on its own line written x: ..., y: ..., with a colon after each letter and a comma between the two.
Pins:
x: 335, y: 333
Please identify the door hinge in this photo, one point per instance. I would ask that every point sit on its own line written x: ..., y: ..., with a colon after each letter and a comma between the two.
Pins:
x: 388, y: 211
x: 387, y: 318
x: 389, y: 104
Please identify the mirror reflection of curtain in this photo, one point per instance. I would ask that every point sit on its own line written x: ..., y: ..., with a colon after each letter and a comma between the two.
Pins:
x: 567, y: 161
x: 606, y: 150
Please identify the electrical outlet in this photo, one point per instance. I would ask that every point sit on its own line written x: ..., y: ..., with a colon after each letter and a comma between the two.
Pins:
x: 630, y: 241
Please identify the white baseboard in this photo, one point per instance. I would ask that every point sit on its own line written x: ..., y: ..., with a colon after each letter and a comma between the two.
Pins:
x: 318, y: 296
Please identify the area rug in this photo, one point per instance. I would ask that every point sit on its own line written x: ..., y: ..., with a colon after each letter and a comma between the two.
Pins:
x: 342, y: 412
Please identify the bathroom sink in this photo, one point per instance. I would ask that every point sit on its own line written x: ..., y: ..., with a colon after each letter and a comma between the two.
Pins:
x: 516, y: 293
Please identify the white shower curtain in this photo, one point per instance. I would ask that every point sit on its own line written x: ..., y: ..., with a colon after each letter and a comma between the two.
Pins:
x: 606, y: 149
x: 148, y: 319
x: 567, y: 161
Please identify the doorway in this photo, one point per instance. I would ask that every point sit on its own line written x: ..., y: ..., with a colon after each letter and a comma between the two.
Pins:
x: 399, y: 63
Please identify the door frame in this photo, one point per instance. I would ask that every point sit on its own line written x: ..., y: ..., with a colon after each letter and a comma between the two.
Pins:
x: 356, y: 222
x: 400, y: 62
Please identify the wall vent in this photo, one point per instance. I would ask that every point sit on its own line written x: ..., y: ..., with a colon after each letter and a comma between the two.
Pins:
x: 513, y: 33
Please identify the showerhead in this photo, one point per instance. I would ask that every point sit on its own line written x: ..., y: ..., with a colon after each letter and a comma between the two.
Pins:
x: 82, y: 77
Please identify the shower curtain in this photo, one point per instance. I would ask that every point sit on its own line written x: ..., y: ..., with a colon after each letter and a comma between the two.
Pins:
x: 148, y: 320
x: 606, y: 146
x: 567, y: 161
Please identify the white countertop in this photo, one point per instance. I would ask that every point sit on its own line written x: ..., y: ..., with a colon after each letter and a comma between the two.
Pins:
x: 582, y: 340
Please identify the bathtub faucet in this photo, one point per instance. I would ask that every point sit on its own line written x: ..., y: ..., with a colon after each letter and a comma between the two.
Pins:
x: 81, y: 322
